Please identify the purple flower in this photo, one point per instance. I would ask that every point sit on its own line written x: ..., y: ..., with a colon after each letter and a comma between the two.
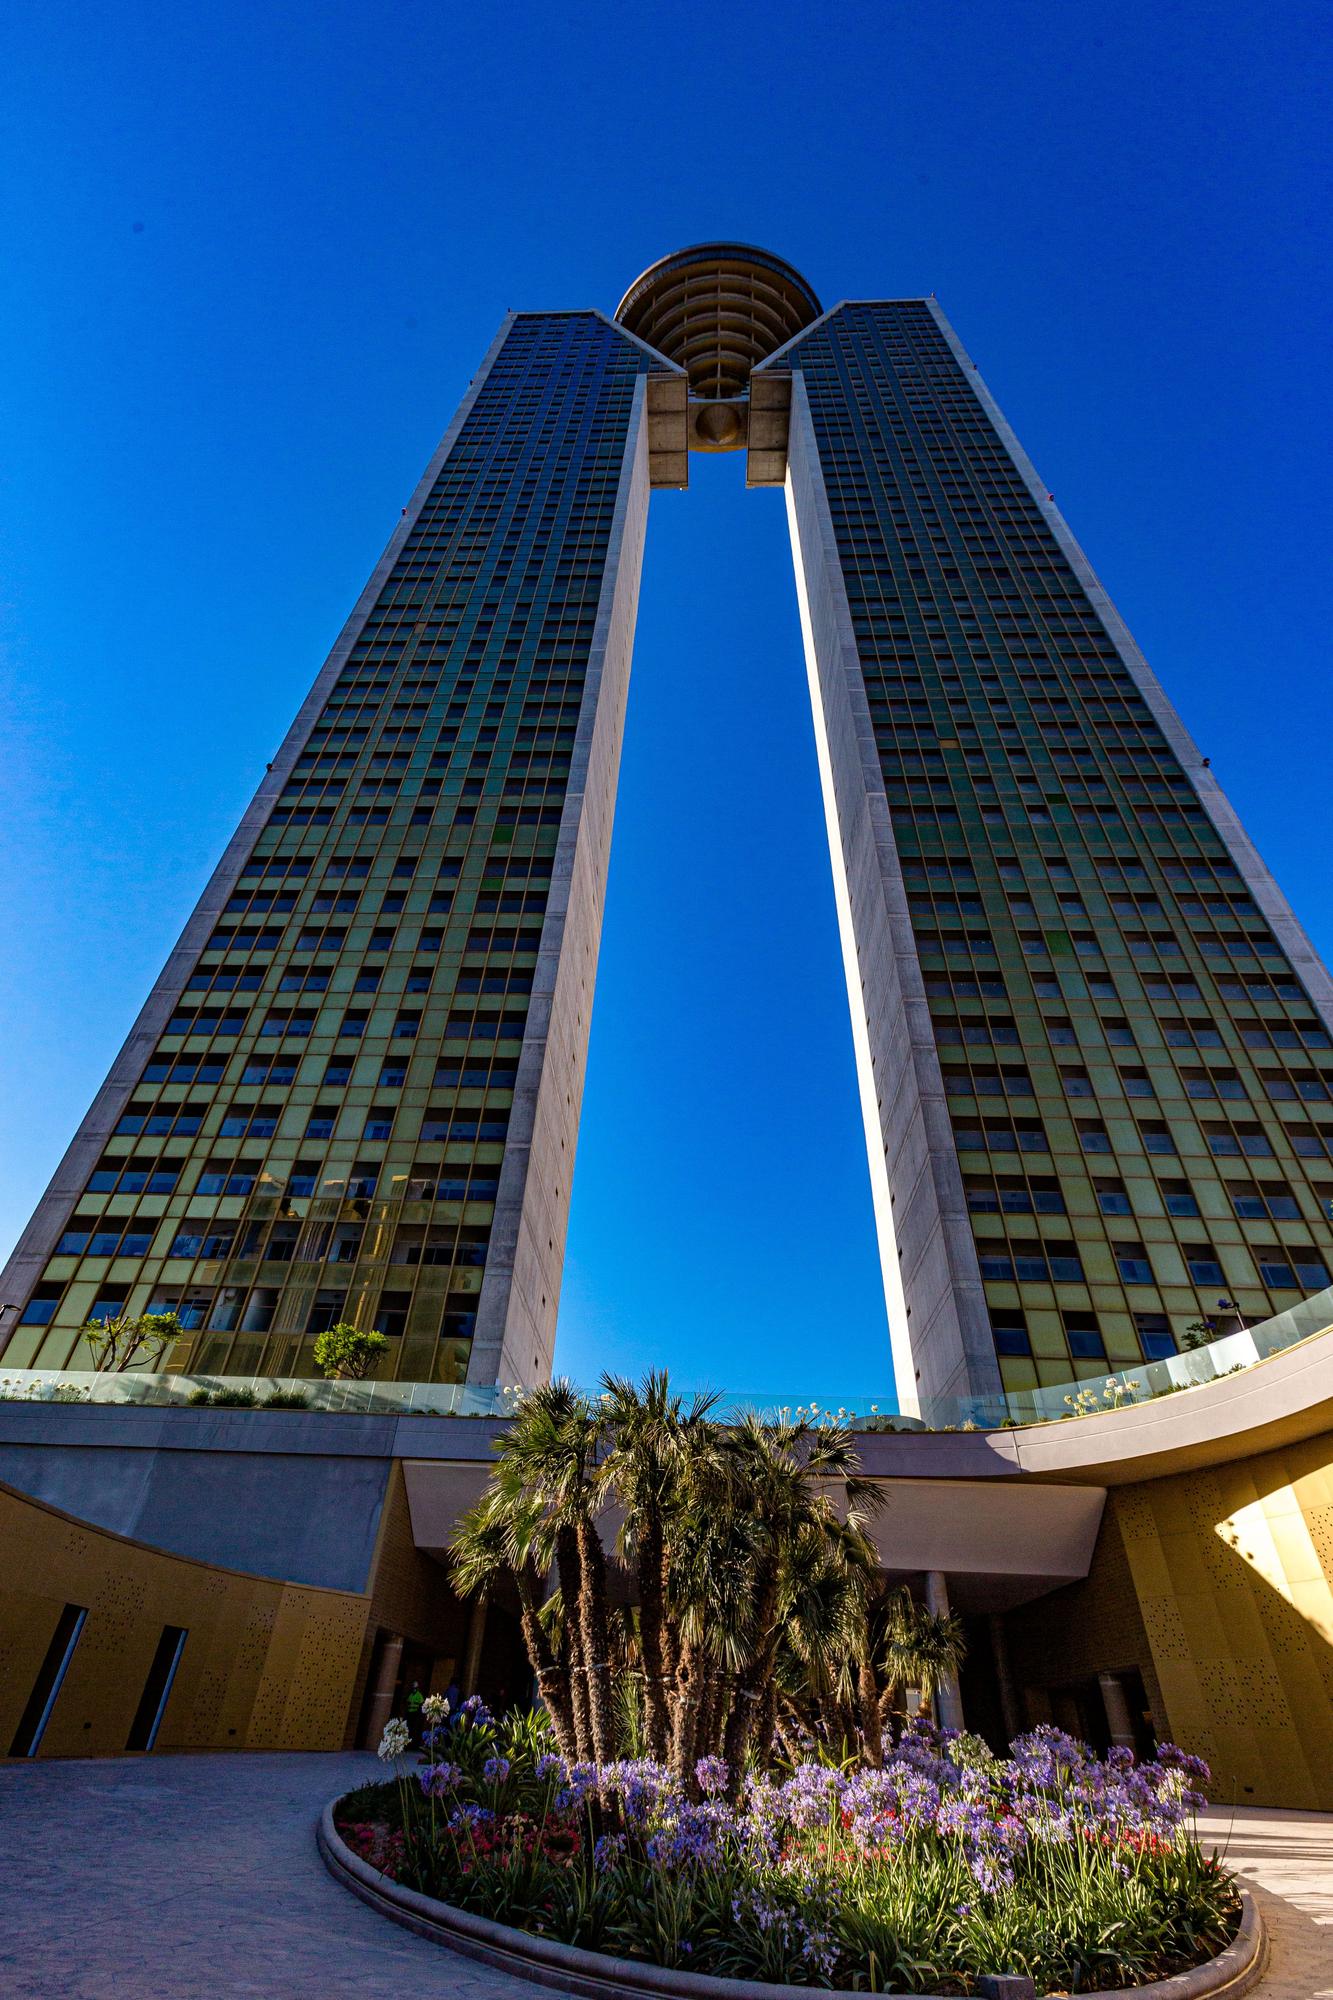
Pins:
x: 436, y: 1779
x: 495, y: 1770
x: 712, y: 1774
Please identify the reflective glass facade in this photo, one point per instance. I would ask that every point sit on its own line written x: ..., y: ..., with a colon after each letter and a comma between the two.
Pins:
x: 1093, y: 1042
x: 1126, y: 1070
x: 311, y: 1120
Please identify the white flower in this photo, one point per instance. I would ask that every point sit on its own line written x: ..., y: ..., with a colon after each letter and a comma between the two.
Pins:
x: 435, y: 1707
x: 395, y: 1742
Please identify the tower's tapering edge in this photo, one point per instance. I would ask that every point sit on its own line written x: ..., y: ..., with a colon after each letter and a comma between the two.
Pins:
x: 49, y: 1218
x: 926, y: 1244
x: 1286, y: 926
x: 514, y: 1340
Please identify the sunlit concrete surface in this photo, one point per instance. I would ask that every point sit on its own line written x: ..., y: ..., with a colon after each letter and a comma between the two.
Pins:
x: 193, y: 1878
x: 1287, y: 1859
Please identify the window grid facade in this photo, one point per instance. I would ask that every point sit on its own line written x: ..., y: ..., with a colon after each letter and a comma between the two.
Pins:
x: 319, y: 1129
x: 1137, y: 1081
x: 1098, y: 1083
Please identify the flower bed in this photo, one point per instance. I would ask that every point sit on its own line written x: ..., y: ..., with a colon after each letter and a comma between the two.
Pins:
x: 945, y: 1864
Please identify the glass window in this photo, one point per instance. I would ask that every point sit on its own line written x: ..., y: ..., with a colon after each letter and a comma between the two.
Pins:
x: 1131, y: 1261
x: 1155, y: 1336
x: 1179, y: 1198
x: 1066, y: 1266
x: 1010, y: 1333
x: 1085, y: 1340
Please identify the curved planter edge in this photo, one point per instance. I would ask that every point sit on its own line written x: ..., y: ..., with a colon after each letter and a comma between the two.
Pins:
x: 599, y: 1977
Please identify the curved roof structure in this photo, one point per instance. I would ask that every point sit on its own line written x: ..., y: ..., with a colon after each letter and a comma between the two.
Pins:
x: 718, y: 309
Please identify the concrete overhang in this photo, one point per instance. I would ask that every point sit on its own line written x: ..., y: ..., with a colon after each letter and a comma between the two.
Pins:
x: 1025, y: 1540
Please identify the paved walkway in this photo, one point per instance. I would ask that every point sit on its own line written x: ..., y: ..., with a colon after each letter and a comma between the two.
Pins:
x: 1287, y: 1859
x: 194, y: 1878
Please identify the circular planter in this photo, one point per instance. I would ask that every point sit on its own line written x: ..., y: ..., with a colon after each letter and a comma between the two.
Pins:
x: 600, y: 1977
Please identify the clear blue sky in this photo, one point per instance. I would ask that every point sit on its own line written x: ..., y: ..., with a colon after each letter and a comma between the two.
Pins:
x: 254, y: 254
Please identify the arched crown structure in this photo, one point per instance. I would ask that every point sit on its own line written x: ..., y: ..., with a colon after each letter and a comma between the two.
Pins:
x: 717, y: 310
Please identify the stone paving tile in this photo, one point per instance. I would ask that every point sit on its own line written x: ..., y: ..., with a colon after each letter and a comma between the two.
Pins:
x: 1287, y: 1859
x: 196, y: 1878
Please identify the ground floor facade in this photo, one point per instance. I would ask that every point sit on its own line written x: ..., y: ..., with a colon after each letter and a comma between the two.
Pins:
x: 238, y: 1579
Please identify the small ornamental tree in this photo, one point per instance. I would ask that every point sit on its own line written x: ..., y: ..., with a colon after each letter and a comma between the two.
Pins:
x: 348, y: 1355
x: 118, y: 1344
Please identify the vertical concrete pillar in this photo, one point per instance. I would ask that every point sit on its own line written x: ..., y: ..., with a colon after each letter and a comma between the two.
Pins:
x: 948, y: 1702
x: 380, y: 1706
x: 1004, y: 1678
x: 476, y: 1633
x: 1118, y: 1718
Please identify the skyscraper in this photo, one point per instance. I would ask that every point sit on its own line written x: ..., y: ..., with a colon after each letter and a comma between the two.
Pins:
x: 1091, y: 1037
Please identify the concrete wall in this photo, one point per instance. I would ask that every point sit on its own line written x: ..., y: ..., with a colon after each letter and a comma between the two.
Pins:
x: 1218, y: 1586
x: 276, y: 1496
x: 1212, y: 1574
x: 53, y: 1211
x: 941, y: 1341
x: 514, y: 1340
x: 265, y: 1665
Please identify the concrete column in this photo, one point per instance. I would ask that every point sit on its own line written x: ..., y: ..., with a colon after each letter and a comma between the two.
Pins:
x: 1004, y: 1679
x: 1118, y: 1718
x: 476, y: 1633
x: 948, y: 1702
x: 380, y: 1707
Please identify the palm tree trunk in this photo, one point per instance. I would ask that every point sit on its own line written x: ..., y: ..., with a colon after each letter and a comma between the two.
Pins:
x: 724, y: 1693
x: 872, y: 1734
x: 596, y: 1640
x: 652, y: 1633
x: 705, y: 1719
x: 791, y: 1747
x: 751, y: 1683
x: 889, y: 1706
x: 767, y: 1725
x: 569, y: 1572
x: 552, y: 1674
x: 689, y: 1692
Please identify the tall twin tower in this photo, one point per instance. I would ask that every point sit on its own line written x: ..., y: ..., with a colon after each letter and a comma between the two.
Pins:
x: 1091, y: 1038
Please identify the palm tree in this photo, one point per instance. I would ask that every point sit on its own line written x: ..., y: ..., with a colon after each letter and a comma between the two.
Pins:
x: 922, y: 1649
x: 758, y: 1584
x: 657, y: 1450
x: 550, y: 1454
x: 503, y: 1536
x: 711, y: 1602
x: 781, y: 1478
x: 822, y: 1621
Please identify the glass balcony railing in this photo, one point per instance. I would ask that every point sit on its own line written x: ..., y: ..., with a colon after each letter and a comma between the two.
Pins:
x: 1092, y: 1394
